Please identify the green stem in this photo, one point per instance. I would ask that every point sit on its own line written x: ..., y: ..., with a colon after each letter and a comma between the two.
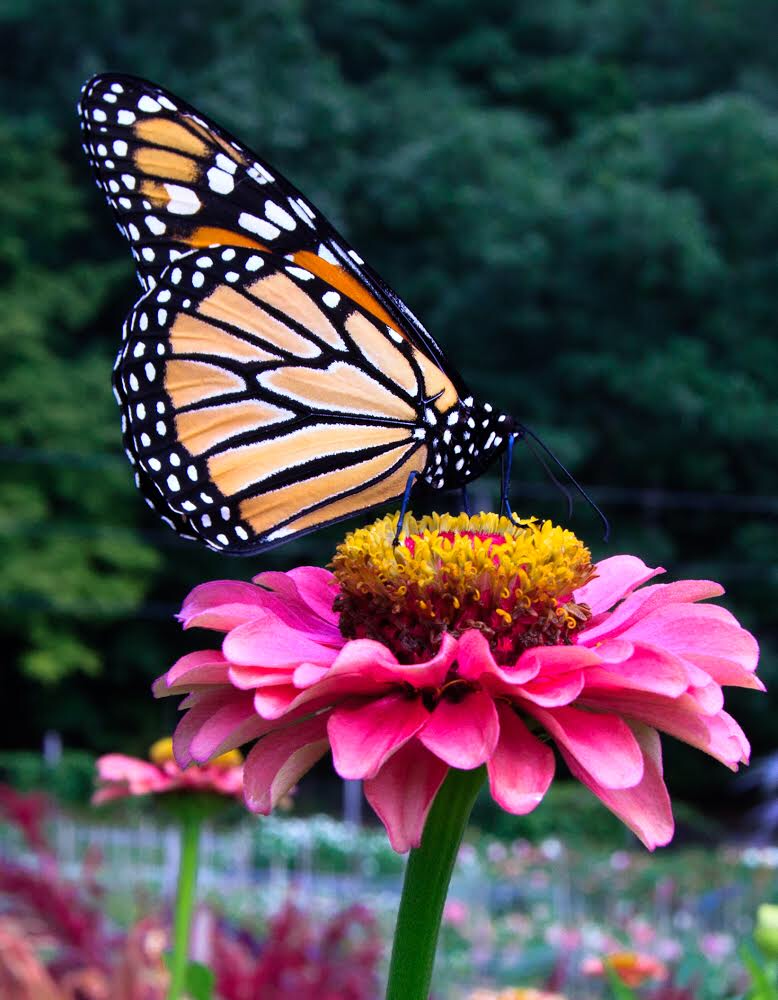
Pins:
x: 191, y: 822
x: 427, y: 876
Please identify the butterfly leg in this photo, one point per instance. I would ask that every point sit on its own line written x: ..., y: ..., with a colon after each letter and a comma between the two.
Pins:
x: 505, y: 475
x: 466, y: 502
x: 412, y: 477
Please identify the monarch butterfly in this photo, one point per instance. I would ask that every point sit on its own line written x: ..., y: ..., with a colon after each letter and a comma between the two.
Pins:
x: 270, y: 381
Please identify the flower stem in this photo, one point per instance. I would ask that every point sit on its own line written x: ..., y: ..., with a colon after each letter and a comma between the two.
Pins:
x: 427, y: 877
x: 191, y: 822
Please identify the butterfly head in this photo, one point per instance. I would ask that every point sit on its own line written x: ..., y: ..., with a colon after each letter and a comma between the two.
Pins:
x: 464, y: 441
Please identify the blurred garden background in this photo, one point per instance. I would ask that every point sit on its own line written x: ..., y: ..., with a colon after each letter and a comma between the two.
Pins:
x: 580, y: 200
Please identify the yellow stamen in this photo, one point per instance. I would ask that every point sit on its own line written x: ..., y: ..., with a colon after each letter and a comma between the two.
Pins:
x: 512, y: 580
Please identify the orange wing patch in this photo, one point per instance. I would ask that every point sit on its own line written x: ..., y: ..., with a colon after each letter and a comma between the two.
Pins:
x: 190, y: 335
x: 189, y: 382
x: 264, y: 511
x: 382, y: 491
x: 162, y: 163
x: 232, y: 307
x: 237, y: 469
x: 344, y: 282
x: 283, y: 294
x: 436, y: 383
x: 381, y: 352
x: 163, y: 132
x: 340, y: 388
x: 206, y: 236
x: 201, y: 430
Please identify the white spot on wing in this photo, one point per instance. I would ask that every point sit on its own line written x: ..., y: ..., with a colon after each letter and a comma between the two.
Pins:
x: 326, y: 254
x: 259, y: 226
x: 183, y: 201
x: 279, y: 215
x: 148, y: 104
x: 220, y: 181
x: 225, y: 163
x: 299, y: 272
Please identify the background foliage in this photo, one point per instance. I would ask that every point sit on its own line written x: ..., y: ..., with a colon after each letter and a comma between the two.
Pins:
x: 579, y: 197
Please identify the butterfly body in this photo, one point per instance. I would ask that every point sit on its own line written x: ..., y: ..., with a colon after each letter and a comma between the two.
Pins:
x: 270, y: 381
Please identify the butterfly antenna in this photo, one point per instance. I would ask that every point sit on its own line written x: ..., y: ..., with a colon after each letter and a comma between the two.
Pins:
x: 552, y: 476
x: 570, y: 477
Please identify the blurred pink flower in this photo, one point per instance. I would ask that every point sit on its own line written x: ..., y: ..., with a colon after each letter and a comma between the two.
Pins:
x: 120, y: 776
x: 717, y: 946
x: 455, y: 913
x: 471, y: 642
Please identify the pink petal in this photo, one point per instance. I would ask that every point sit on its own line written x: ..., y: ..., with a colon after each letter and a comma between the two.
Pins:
x: 549, y: 692
x: 316, y: 587
x: 403, y: 791
x: 709, y: 697
x: 279, y: 760
x: 602, y: 744
x: 646, y: 669
x: 228, y: 728
x: 521, y: 767
x: 616, y: 577
x: 254, y: 678
x: 718, y: 735
x: 203, y: 706
x: 646, y: 601
x: 645, y: 808
x: 140, y: 775
x: 286, y: 601
x: 463, y: 733
x: 221, y: 605
x: 367, y: 658
x: 703, y: 630
x: 270, y: 642
x: 364, y: 736
x: 109, y: 793
x: 475, y: 662
x: 273, y: 702
x: 203, y: 668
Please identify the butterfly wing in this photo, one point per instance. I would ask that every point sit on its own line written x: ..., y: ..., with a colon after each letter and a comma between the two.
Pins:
x: 262, y: 403
x: 175, y: 180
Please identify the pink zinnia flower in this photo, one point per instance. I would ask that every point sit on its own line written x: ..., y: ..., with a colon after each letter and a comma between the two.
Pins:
x: 473, y: 641
x: 120, y: 776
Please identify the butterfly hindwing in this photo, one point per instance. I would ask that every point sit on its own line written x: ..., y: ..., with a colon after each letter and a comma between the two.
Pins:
x: 262, y: 403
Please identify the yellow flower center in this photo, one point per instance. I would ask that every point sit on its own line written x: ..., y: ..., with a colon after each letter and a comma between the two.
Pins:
x: 512, y: 580
x: 161, y: 752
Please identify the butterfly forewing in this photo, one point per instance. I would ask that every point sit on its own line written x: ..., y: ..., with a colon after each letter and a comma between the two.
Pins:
x: 175, y: 180
x: 262, y: 403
